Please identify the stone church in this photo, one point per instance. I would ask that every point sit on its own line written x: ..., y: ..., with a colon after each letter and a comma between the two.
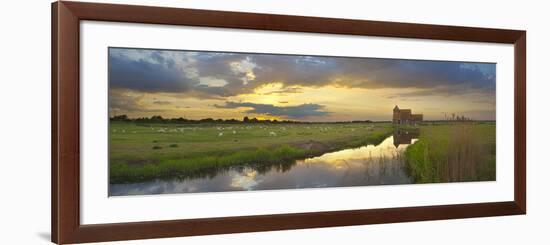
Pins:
x: 405, y: 116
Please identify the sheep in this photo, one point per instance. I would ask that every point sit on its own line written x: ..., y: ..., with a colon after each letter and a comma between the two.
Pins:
x: 272, y: 134
x: 220, y: 134
x: 234, y: 132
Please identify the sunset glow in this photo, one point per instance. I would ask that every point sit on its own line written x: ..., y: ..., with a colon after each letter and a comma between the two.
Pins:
x: 196, y: 85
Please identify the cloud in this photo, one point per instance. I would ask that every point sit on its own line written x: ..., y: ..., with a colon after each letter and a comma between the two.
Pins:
x: 162, y: 102
x: 218, y: 74
x: 299, y: 111
x: 125, y: 101
x: 373, y: 73
x: 284, y: 91
x: 122, y: 101
x: 146, y: 76
x: 200, y: 74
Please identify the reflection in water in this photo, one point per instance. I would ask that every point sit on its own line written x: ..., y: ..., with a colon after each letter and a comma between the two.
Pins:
x: 382, y: 164
x: 404, y: 137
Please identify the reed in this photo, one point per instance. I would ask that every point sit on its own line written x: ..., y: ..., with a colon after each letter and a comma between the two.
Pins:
x: 453, y: 152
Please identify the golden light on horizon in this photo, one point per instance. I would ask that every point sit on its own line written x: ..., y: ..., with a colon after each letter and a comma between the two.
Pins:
x: 198, y: 85
x: 344, y: 104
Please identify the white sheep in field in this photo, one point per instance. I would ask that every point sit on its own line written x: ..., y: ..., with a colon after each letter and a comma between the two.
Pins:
x: 272, y: 134
x: 234, y: 132
x: 220, y: 134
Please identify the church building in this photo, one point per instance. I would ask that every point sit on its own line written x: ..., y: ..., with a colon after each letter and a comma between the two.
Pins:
x: 405, y: 116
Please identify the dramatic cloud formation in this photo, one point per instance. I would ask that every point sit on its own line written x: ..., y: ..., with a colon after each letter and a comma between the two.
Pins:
x: 227, y: 74
x: 230, y: 77
x: 448, y: 77
x: 299, y: 111
x: 152, y: 73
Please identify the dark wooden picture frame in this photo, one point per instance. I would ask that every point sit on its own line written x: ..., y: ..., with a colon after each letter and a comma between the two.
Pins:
x: 65, y: 175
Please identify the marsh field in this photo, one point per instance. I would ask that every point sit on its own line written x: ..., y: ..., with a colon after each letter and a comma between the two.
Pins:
x: 156, y: 158
x: 192, y: 121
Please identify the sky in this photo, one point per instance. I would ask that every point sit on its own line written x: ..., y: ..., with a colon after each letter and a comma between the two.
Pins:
x: 200, y: 84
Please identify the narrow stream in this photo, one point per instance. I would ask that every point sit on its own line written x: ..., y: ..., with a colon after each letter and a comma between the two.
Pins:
x: 383, y: 164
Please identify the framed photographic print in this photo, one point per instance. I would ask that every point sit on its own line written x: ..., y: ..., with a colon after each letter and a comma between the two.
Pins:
x: 176, y: 122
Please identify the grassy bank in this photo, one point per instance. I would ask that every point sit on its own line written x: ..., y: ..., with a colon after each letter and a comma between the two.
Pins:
x: 452, y: 152
x: 140, y: 152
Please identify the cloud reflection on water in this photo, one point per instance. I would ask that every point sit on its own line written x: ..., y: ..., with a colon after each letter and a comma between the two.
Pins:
x: 368, y: 165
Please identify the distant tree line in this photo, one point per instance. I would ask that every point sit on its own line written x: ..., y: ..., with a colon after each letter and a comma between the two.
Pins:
x: 458, y: 118
x: 181, y: 120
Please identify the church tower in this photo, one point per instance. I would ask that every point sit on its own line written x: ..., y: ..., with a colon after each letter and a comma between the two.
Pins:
x: 396, y: 115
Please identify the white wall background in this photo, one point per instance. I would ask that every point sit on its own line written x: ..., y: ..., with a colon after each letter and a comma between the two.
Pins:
x: 25, y: 121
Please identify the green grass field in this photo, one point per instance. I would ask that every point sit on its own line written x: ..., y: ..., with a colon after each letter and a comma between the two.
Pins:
x: 445, y: 152
x: 452, y: 152
x: 140, y: 151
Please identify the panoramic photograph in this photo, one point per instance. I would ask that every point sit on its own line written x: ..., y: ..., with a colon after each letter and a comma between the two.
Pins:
x: 186, y: 121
